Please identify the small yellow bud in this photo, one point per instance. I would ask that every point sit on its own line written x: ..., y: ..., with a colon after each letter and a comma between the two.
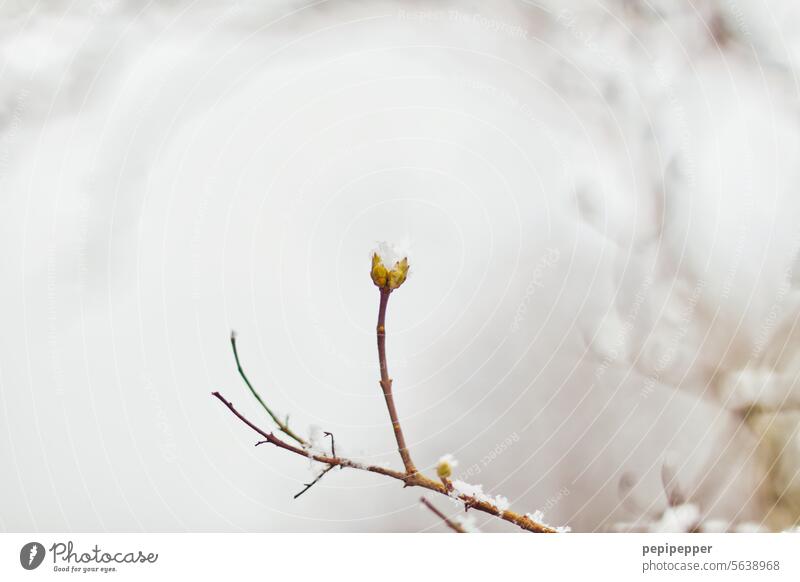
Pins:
x: 444, y: 468
x: 397, y: 275
x: 386, y: 279
x: 379, y: 273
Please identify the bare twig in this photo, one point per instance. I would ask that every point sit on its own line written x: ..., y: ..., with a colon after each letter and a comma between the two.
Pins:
x: 333, y: 443
x: 283, y: 426
x: 415, y: 479
x: 456, y: 527
x: 386, y: 385
x: 315, y: 481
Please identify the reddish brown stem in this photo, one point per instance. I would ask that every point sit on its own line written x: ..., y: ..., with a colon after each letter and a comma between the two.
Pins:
x: 410, y: 480
x: 336, y: 461
x: 315, y: 481
x: 447, y: 521
x: 386, y: 385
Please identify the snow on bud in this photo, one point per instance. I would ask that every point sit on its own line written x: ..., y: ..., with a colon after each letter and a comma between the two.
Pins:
x: 445, y: 466
x: 383, y: 277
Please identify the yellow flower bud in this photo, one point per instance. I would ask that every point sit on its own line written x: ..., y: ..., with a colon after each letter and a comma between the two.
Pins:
x: 397, y: 275
x: 444, y: 468
x: 379, y: 273
x: 386, y: 279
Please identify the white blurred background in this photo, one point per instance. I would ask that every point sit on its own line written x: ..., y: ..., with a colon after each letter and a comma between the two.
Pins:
x: 598, y: 199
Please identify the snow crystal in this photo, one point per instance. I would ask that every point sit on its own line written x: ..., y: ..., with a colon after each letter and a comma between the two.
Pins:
x: 463, y: 488
x: 476, y: 492
x: 538, y: 517
x: 314, y: 435
x: 448, y: 459
x: 391, y: 253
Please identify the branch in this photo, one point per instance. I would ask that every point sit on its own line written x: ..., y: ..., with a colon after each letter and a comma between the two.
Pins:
x: 386, y: 385
x: 315, y: 481
x: 283, y: 426
x: 448, y: 522
x: 415, y: 479
x: 324, y: 471
x: 333, y: 442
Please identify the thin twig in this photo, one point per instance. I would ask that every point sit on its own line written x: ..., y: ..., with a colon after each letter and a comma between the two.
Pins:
x: 314, y: 482
x: 283, y: 426
x: 456, y: 527
x: 409, y: 480
x: 386, y: 385
x: 333, y: 443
